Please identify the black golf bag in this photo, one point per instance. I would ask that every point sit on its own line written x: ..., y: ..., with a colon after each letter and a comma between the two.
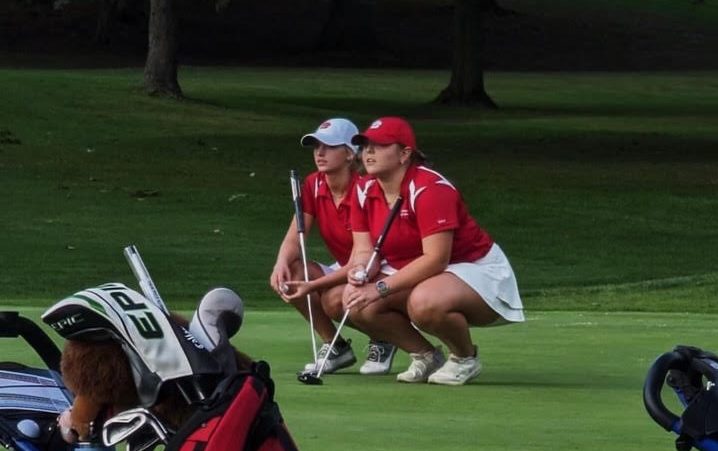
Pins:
x: 692, y: 374
x: 232, y: 409
x: 32, y: 398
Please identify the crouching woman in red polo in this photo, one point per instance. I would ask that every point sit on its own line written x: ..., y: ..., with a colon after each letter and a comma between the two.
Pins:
x: 441, y: 271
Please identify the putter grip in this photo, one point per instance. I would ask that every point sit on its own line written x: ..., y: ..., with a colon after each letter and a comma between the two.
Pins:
x: 297, y: 200
x: 389, y: 220
x: 380, y: 241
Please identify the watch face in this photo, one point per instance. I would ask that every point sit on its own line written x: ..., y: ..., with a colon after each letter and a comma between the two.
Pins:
x: 382, y: 288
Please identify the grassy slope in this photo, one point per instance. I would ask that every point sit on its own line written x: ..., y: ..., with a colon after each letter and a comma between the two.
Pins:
x: 594, y: 184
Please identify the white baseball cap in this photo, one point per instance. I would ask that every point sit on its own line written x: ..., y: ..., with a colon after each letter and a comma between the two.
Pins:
x: 332, y: 132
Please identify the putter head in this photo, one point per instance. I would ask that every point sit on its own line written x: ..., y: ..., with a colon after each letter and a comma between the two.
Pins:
x: 138, y: 426
x: 309, y: 378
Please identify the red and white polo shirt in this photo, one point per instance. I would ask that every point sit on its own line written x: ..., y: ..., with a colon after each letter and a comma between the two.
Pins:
x: 333, y: 222
x: 431, y: 205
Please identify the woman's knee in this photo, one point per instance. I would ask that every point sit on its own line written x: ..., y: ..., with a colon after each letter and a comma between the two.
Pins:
x: 332, y: 303
x: 333, y: 309
x: 424, y: 308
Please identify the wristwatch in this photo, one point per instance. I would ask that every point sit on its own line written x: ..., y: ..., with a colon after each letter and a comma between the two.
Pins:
x: 382, y: 288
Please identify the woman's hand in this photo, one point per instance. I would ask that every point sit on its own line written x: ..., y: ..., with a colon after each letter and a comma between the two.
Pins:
x: 357, y: 297
x: 297, y: 289
x: 280, y: 274
x: 357, y: 275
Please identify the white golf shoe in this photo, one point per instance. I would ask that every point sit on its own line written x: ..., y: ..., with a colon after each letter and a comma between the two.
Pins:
x: 457, y: 371
x: 342, y: 356
x: 422, y: 365
x: 379, y: 358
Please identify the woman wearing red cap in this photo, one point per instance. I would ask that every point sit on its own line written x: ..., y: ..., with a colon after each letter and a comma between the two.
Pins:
x: 326, y: 203
x: 442, y: 274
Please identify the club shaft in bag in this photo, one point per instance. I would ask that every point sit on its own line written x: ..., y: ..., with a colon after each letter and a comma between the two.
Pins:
x: 143, y: 278
x: 377, y: 248
x: 299, y: 215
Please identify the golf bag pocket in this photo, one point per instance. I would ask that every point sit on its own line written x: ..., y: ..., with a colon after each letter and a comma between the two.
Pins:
x: 241, y: 415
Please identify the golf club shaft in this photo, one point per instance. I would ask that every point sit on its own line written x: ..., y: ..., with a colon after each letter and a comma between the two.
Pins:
x: 143, y: 278
x: 377, y: 247
x: 299, y: 215
x: 309, y: 296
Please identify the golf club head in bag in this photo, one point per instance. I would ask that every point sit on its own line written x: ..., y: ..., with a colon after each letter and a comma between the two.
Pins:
x: 139, y: 427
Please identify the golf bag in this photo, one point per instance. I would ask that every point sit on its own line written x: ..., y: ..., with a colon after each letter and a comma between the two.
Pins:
x: 231, y: 409
x: 240, y: 415
x: 32, y: 398
x: 692, y: 374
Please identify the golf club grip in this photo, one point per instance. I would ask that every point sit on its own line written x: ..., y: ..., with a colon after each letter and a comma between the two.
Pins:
x: 297, y: 199
x: 143, y: 278
x: 389, y: 220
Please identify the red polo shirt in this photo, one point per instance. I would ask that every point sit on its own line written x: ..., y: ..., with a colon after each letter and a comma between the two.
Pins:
x: 333, y: 222
x: 431, y: 205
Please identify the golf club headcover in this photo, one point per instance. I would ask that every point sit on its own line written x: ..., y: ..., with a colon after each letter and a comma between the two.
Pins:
x: 218, y: 316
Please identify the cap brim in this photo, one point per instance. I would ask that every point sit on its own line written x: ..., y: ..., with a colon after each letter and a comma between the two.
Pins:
x: 308, y: 140
x: 363, y: 138
x: 359, y: 140
x: 311, y: 139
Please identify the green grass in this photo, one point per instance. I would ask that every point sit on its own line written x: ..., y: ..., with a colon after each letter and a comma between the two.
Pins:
x: 600, y: 187
x: 561, y: 381
x: 595, y: 184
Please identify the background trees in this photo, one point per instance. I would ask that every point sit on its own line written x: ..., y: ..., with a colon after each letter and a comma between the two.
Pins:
x: 558, y: 35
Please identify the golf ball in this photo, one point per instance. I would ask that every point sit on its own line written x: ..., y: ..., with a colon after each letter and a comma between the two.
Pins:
x: 29, y: 428
x: 360, y: 275
x: 284, y: 287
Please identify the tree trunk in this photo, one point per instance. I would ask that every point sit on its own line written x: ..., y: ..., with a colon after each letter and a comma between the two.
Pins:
x: 106, y: 14
x: 467, y: 75
x: 349, y: 26
x: 161, y: 64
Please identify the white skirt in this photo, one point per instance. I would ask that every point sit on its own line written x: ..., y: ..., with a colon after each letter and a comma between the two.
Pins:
x: 328, y: 269
x: 493, y: 279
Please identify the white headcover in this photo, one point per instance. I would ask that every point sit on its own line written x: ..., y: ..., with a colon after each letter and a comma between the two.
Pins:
x: 215, y: 303
x: 136, y: 321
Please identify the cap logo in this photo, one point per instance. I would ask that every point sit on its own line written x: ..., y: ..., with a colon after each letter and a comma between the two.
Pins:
x: 324, y: 125
x: 376, y: 124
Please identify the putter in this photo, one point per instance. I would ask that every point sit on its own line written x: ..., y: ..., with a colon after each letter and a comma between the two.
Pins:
x: 299, y: 215
x: 143, y: 278
x: 315, y: 378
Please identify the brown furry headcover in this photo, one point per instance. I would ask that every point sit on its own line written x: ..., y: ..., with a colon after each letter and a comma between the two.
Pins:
x: 99, y: 375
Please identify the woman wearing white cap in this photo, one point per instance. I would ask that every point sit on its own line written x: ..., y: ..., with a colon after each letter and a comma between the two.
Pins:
x: 326, y: 196
x: 444, y: 273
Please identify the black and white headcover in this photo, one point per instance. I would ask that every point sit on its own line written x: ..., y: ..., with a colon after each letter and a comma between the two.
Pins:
x: 158, y: 348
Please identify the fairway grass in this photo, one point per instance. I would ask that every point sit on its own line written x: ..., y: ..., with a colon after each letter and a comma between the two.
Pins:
x: 600, y: 187
x: 560, y: 381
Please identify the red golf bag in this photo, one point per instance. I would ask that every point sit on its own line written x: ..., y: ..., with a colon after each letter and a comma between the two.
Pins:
x: 240, y: 415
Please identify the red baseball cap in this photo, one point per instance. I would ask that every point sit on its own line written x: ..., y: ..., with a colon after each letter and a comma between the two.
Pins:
x: 387, y: 130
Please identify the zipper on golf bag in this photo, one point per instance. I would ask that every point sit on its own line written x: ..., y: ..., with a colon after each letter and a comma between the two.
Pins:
x: 241, y: 415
